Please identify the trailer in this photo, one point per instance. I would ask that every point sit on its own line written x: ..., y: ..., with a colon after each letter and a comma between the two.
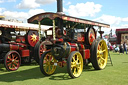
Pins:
x: 74, y: 43
x: 17, y: 43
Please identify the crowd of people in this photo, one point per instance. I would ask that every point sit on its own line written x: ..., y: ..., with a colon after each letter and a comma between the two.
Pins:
x: 121, y: 48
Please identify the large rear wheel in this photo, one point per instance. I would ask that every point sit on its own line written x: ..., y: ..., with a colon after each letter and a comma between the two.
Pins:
x: 40, y: 48
x: 99, y: 54
x: 48, y: 63
x: 75, y: 64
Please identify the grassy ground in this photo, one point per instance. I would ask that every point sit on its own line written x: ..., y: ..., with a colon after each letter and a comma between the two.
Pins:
x: 31, y: 75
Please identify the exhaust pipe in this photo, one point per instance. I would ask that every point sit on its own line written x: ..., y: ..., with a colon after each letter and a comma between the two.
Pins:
x: 60, y: 11
x: 59, y: 6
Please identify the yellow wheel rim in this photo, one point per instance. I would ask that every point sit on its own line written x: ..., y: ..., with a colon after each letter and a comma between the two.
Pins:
x: 102, y: 54
x: 77, y: 64
x: 49, y: 64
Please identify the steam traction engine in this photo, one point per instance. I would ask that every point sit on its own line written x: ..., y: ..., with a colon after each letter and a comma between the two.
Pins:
x: 73, y: 43
x: 17, y: 43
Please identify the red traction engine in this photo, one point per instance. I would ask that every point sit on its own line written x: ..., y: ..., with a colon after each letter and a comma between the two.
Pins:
x: 17, y: 46
x: 73, y: 43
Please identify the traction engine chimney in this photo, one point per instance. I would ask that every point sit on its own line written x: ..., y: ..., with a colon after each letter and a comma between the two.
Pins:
x: 59, y: 6
x: 60, y: 11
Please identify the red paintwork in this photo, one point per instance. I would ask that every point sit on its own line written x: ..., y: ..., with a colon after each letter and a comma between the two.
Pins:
x: 17, y: 46
x: 82, y: 46
x: 30, y: 39
x: 59, y: 40
x: 86, y: 54
x: 64, y: 32
x: 14, y: 47
x: 80, y: 37
x: 25, y: 53
x: 32, y: 43
x: 73, y: 47
x: 20, y: 39
x: 122, y: 30
x: 92, y: 38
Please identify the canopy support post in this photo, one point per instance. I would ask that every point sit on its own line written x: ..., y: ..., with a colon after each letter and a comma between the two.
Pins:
x: 39, y: 31
x: 54, y: 35
x: 85, y: 27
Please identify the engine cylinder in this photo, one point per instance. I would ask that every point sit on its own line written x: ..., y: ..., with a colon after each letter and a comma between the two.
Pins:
x: 62, y: 51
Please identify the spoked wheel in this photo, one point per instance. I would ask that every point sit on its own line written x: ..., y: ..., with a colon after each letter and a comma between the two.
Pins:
x: 48, y: 63
x: 75, y: 64
x: 40, y: 48
x: 91, y: 35
x: 99, y: 54
x: 12, y: 61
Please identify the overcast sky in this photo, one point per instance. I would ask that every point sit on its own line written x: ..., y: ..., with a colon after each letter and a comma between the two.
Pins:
x: 113, y: 12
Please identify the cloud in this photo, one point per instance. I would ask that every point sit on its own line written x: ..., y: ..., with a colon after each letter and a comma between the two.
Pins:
x: 35, y: 11
x: 1, y: 10
x: 44, y: 1
x: 28, y: 4
x: 65, y: 10
x: 112, y: 20
x: 84, y: 9
x: 1, y: 1
x: 68, y: 3
x: 124, y: 25
x: 15, y: 15
x: 23, y: 16
x: 125, y: 19
x: 115, y: 22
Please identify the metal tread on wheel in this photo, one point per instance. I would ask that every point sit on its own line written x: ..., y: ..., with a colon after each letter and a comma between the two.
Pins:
x: 40, y: 48
x: 75, y: 64
x: 12, y: 60
x: 99, y: 54
x: 48, y: 63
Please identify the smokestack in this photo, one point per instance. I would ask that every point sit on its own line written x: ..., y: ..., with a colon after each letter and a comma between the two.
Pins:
x: 60, y: 11
x: 60, y: 6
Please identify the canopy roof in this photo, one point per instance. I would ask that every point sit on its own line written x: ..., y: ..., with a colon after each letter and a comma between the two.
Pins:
x: 41, y: 16
x: 22, y: 26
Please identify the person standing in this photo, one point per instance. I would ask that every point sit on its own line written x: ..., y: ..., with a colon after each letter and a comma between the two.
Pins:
x: 121, y: 48
x: 125, y: 47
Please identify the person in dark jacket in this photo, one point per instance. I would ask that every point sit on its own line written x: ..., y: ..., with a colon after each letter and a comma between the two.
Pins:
x: 125, y: 47
x: 121, y: 49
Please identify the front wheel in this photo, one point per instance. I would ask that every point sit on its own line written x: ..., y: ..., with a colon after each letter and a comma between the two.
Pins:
x: 48, y: 63
x: 12, y: 61
x: 75, y: 64
x: 99, y: 54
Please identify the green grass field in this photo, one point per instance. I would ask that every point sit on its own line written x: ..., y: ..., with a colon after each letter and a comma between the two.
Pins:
x: 31, y: 75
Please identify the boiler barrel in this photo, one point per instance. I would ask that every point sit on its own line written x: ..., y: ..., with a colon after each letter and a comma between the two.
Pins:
x: 4, y: 47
